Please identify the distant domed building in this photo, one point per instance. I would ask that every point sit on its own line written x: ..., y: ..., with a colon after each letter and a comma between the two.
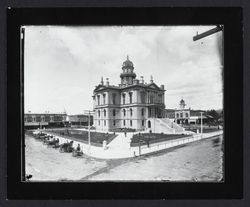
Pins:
x: 182, y: 104
x: 130, y: 104
x: 186, y: 115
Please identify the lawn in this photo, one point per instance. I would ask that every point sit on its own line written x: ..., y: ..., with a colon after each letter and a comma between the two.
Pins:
x: 97, y: 138
x: 150, y: 138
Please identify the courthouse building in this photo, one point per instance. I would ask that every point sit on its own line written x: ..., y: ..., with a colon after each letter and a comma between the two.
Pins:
x: 129, y: 104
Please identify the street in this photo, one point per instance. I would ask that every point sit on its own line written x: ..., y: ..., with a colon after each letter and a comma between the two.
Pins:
x: 198, y: 161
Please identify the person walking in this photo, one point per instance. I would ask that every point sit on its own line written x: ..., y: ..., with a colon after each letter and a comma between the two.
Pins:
x: 78, y: 147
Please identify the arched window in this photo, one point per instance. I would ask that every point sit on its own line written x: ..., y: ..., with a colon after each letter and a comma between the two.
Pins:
x: 99, y: 122
x: 131, y: 123
x: 104, y: 113
x: 142, y: 112
x: 124, y: 112
x: 151, y: 99
x: 124, y: 122
x: 99, y: 114
x: 160, y: 98
x: 104, y: 98
x: 104, y: 122
x: 149, y: 124
x: 130, y: 97
x: 187, y: 115
x: 131, y: 112
x: 142, y: 97
x: 114, y: 122
x: 142, y: 122
x: 177, y: 115
x: 98, y: 99
x: 113, y: 112
x: 123, y: 98
x: 113, y: 98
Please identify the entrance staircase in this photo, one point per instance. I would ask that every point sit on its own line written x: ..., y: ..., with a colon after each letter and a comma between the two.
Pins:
x: 177, y: 127
x: 165, y: 125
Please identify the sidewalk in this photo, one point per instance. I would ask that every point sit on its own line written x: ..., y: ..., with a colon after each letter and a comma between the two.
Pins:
x: 120, y: 147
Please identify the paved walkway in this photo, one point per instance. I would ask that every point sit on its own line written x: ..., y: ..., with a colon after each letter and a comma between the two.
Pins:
x: 120, y: 147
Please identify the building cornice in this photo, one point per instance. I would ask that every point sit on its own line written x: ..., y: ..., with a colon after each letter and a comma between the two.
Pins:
x: 128, y: 105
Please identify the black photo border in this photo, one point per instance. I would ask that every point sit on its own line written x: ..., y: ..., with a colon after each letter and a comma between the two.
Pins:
x: 231, y: 18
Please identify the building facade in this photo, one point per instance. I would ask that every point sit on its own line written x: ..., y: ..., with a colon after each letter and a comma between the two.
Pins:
x: 39, y: 120
x: 50, y: 120
x: 129, y: 104
x: 79, y: 120
x: 184, y: 115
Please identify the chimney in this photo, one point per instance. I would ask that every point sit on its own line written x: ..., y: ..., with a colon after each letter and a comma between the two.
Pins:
x: 102, y: 81
x: 142, y: 81
x: 135, y: 81
x: 151, y: 79
x: 107, y: 82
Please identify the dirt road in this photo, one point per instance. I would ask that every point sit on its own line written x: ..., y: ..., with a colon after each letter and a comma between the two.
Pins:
x: 199, y: 161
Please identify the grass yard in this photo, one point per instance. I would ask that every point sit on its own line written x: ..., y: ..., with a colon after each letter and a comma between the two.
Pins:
x: 96, y: 137
x: 147, y: 138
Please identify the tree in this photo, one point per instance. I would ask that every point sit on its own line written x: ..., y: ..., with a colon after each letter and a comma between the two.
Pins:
x: 214, y: 114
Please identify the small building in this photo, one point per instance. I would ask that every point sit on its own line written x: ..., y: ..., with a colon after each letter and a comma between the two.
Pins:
x: 186, y: 116
x: 79, y: 120
x: 47, y: 120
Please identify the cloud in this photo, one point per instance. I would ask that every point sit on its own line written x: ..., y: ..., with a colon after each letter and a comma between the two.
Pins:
x: 63, y: 64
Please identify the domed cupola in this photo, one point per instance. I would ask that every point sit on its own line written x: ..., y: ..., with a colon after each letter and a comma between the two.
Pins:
x: 127, y: 64
x: 127, y: 75
x: 182, y: 104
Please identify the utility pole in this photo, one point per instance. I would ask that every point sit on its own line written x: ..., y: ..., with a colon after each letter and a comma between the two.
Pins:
x: 80, y: 120
x: 88, y: 112
x: 89, y: 128
x: 201, y: 124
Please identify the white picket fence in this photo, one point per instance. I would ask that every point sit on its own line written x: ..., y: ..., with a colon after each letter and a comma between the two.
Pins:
x: 171, y: 143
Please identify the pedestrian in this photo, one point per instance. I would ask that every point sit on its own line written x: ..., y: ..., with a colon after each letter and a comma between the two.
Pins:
x: 125, y: 133
x: 78, y: 147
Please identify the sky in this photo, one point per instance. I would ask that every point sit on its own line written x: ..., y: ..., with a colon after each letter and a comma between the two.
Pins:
x: 63, y: 64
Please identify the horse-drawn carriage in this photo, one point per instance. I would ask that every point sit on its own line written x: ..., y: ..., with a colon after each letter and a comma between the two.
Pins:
x: 40, y: 135
x: 52, y: 141
x: 47, y: 139
x: 67, y: 147
x: 77, y: 153
x: 56, y: 144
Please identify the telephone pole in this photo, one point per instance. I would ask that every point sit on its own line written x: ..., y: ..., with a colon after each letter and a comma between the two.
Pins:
x: 89, y: 112
x: 201, y: 124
